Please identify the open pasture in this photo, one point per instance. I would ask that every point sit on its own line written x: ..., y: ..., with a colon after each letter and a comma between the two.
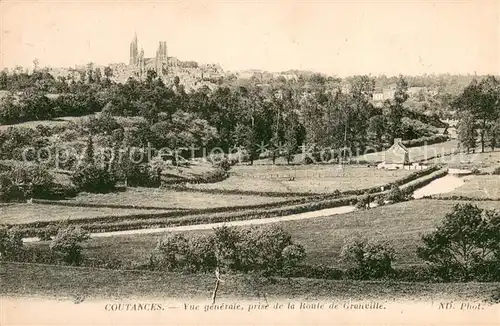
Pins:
x: 25, y: 213
x: 478, y: 186
x: 164, y: 198
x: 303, y: 178
x: 401, y: 225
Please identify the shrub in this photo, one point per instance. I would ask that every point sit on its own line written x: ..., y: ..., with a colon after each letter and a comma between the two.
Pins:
x: 139, y: 175
x: 265, y: 249
x: 363, y: 202
x: 92, y: 178
x: 260, y: 248
x: 395, y: 195
x: 201, y: 253
x: 380, y: 200
x: 25, y: 181
x: 170, y: 252
x: 45, y: 234
x: 224, y: 164
x: 475, y: 171
x: 496, y: 171
x: 11, y: 243
x: 371, y: 259
x: 293, y: 255
x: 465, y: 244
x: 67, y: 244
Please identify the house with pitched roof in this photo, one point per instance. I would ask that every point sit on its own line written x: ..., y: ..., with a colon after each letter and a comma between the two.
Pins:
x: 396, y: 157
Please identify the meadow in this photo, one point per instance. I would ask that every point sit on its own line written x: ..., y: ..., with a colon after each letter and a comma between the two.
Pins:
x: 303, y: 178
x: 165, y: 198
x: 20, y: 213
x: 486, y: 162
x: 478, y: 186
x: 401, y: 225
x: 72, y: 283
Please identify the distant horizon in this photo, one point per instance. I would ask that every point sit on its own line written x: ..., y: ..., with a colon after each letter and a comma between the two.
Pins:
x: 333, y: 38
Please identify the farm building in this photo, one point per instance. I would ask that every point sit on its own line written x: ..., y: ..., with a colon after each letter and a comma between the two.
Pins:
x: 396, y: 157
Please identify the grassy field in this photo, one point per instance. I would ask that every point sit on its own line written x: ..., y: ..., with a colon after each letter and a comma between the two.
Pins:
x: 307, y: 178
x: 26, y: 280
x: 171, y: 199
x: 478, y: 186
x: 25, y: 213
x: 401, y: 225
x: 417, y: 153
x: 33, y: 124
x: 486, y: 161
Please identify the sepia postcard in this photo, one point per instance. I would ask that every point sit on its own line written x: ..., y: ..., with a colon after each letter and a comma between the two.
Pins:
x: 249, y: 162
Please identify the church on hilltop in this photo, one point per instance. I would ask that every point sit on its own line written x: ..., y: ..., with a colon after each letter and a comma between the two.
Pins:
x: 159, y: 63
x: 192, y: 74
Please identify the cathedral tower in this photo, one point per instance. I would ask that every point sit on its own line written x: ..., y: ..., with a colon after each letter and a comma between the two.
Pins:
x: 161, y: 59
x: 134, y: 52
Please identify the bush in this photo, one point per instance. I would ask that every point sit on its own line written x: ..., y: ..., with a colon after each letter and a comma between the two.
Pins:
x: 11, y: 244
x: 170, y: 252
x: 476, y: 171
x: 143, y: 176
x: 67, y: 244
x: 371, y: 259
x: 45, y: 234
x: 395, y: 195
x: 25, y: 181
x: 92, y: 178
x: 380, y: 200
x: 293, y: 255
x: 363, y: 202
x: 266, y: 250
x: 224, y: 164
x: 466, y: 244
x: 496, y: 171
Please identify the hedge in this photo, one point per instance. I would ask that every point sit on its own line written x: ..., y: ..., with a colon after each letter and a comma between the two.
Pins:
x: 413, y: 176
x: 215, y: 215
x: 430, y: 140
x: 419, y: 183
x: 212, y: 177
x: 95, y: 205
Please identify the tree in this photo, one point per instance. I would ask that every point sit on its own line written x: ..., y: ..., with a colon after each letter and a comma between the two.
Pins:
x: 494, y: 134
x: 108, y: 73
x: 396, y: 109
x: 467, y: 133
x: 482, y: 100
x: 290, y: 144
x: 68, y: 244
x: 92, y: 178
x: 90, y: 73
x: 377, y: 126
x: 97, y: 75
x: 11, y: 243
x: 89, y: 151
x: 468, y: 236
x: 372, y: 259
x: 36, y: 64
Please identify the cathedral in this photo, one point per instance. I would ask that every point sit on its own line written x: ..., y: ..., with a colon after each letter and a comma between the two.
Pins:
x: 159, y: 63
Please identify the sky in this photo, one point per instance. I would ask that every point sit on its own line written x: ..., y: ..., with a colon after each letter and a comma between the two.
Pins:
x: 333, y: 37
